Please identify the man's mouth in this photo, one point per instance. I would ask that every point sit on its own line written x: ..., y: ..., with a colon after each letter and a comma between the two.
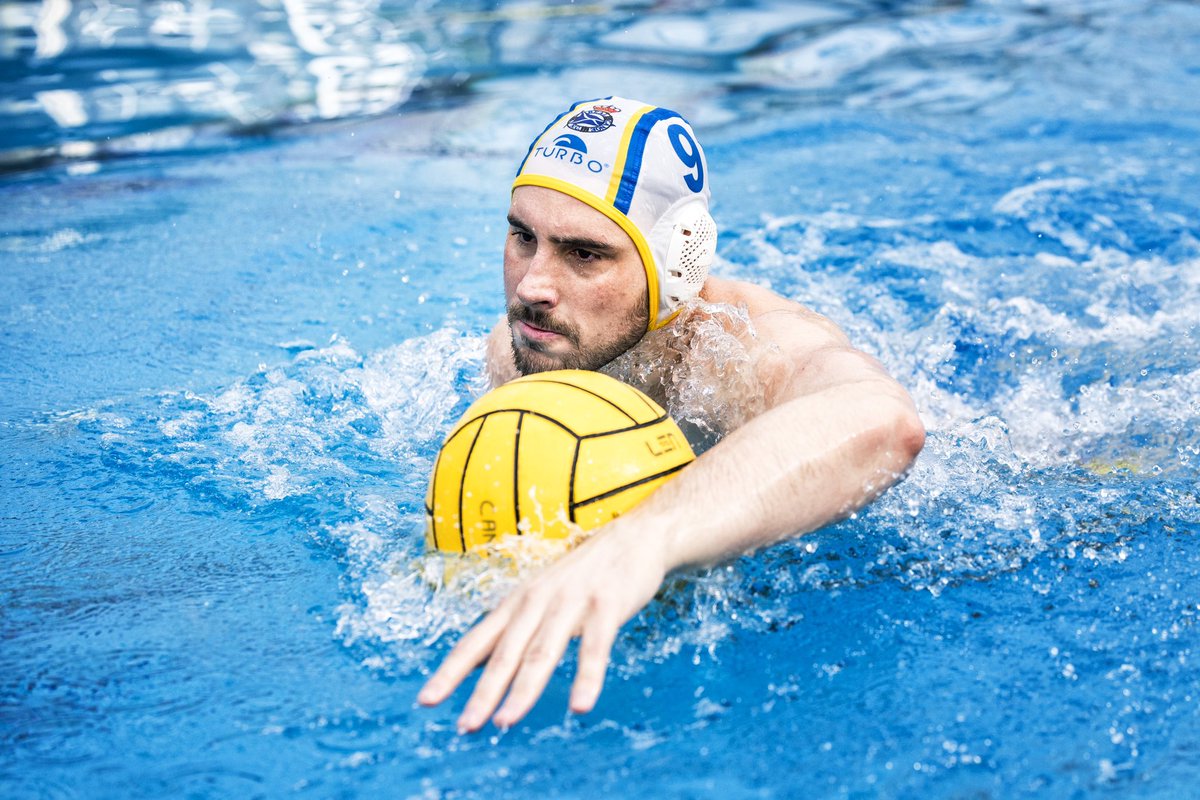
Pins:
x: 535, y: 329
x: 535, y: 332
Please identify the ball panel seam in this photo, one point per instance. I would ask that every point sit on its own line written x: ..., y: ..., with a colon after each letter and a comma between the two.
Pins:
x: 517, y: 473
x: 617, y: 431
x: 587, y: 391
x: 620, y: 489
x: 462, y: 486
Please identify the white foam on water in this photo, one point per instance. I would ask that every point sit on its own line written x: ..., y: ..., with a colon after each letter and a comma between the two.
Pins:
x: 975, y: 505
x: 1034, y: 348
x: 354, y: 435
x: 61, y: 239
x: 351, y: 436
x: 319, y: 420
x: 1024, y: 201
x: 413, y: 386
x: 1088, y: 366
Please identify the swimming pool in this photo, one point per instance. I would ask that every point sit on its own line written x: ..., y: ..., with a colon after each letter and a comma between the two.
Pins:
x: 236, y: 326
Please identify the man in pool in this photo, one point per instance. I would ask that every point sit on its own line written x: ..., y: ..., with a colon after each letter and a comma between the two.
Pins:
x: 606, y: 267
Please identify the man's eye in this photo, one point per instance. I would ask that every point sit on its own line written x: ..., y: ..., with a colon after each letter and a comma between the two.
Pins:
x: 524, y: 237
x: 585, y: 255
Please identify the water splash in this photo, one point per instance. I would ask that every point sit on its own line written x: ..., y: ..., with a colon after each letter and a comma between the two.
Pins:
x: 1044, y: 437
x: 699, y: 369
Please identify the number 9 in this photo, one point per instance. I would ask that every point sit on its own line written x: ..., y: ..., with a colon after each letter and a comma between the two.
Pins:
x: 689, y: 153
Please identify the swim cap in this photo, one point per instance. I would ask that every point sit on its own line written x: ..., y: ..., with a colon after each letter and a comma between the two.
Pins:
x: 640, y: 166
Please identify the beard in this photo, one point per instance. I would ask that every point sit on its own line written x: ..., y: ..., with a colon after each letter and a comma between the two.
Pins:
x: 530, y: 357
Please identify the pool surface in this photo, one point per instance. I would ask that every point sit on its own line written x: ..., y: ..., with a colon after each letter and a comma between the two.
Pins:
x: 248, y: 255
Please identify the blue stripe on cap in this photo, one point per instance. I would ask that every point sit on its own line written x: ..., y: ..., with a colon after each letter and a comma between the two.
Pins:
x: 633, y: 159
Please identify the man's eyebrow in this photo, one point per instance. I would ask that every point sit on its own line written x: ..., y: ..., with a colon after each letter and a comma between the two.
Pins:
x: 583, y: 243
x: 570, y: 242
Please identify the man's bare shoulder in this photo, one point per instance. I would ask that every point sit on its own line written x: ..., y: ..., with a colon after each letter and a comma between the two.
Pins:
x: 798, y: 351
x: 500, y: 366
x: 774, y: 316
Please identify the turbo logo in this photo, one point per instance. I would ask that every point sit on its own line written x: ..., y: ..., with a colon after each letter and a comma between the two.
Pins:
x: 569, y: 148
x: 573, y: 142
x: 593, y: 121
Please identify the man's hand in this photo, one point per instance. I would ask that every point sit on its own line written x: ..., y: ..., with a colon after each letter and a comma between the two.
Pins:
x: 588, y: 593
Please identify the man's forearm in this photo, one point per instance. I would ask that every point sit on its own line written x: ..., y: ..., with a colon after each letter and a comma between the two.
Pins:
x: 793, y: 469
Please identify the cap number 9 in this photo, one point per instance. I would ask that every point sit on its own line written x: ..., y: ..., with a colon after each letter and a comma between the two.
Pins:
x: 689, y: 153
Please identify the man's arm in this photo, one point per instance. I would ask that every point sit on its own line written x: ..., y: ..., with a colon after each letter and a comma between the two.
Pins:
x: 837, y: 432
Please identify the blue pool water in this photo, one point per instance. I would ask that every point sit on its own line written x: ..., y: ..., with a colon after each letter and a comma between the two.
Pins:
x: 247, y: 255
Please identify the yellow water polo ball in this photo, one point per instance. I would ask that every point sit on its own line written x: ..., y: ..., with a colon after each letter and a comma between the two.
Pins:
x: 543, y: 452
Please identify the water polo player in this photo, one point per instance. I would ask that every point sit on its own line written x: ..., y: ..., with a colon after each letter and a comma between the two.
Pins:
x: 606, y: 263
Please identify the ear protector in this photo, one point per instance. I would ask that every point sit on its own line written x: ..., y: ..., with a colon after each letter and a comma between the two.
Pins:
x: 690, y: 249
x: 641, y: 166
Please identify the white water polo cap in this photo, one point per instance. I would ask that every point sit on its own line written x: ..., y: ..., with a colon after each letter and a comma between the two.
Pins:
x: 640, y: 166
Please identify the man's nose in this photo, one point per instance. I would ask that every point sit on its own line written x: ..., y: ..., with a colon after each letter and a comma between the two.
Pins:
x: 539, y: 284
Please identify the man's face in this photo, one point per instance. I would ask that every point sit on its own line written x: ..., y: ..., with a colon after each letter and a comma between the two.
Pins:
x: 573, y: 282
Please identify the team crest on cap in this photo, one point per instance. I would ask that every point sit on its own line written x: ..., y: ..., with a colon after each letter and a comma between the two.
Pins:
x: 594, y: 120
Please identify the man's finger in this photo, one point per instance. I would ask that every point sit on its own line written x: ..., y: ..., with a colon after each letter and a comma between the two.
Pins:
x: 595, y: 649
x: 526, y: 616
x: 542, y: 655
x: 471, y: 651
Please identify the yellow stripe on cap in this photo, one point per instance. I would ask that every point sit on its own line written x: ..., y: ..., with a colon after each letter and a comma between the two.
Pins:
x: 608, y: 210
